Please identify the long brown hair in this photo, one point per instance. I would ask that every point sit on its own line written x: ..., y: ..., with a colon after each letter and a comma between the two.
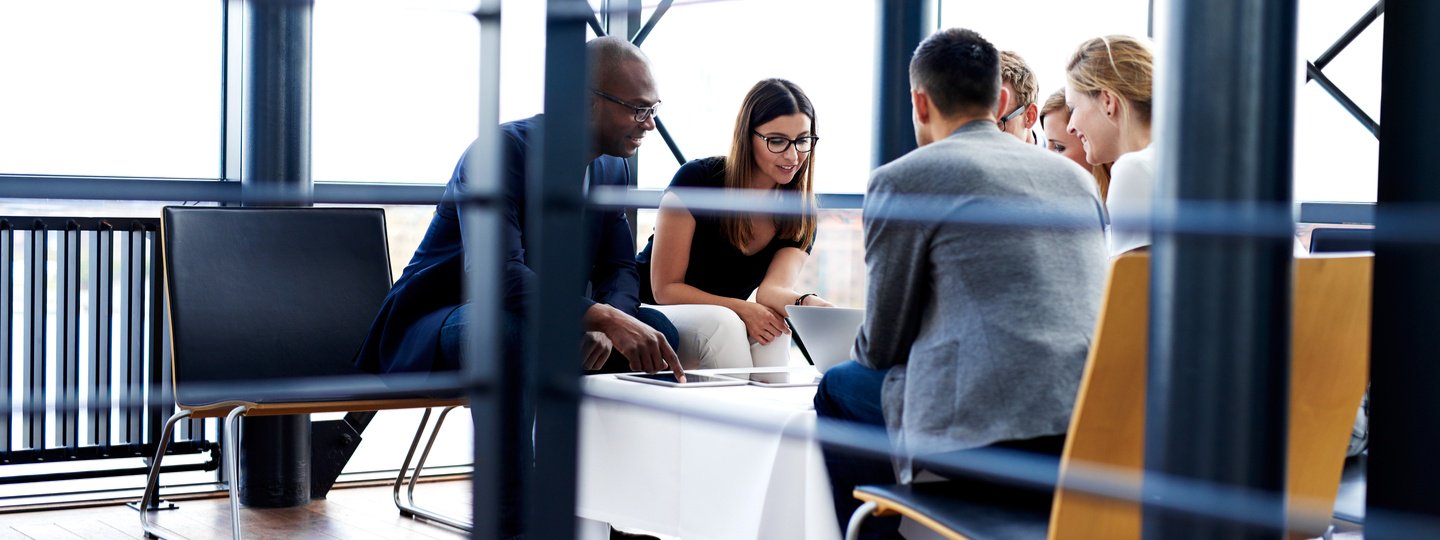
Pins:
x: 767, y: 100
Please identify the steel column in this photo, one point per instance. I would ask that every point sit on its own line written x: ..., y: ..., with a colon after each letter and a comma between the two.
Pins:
x: 275, y: 171
x: 1405, y: 406
x: 902, y: 25
x: 1220, y: 326
x: 276, y: 117
x: 556, y: 237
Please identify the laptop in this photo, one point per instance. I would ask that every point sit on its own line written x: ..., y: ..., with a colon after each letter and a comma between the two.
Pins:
x: 824, y: 334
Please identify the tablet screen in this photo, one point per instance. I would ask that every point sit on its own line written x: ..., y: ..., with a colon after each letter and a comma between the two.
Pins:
x: 784, y: 377
x: 670, y: 377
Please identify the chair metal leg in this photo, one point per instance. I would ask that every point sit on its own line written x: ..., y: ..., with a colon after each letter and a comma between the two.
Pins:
x: 232, y: 466
x: 852, y: 532
x: 152, y: 481
x: 408, y: 507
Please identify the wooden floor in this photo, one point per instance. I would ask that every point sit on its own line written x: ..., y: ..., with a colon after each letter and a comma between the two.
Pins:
x: 367, y: 513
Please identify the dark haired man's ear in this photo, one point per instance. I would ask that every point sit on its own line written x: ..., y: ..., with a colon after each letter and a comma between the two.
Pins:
x: 921, y: 102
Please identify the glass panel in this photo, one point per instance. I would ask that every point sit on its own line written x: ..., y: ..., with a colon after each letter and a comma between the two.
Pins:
x: 704, y: 66
x: 395, y: 88
x: 96, y: 87
x: 1046, y: 32
x: 1336, y: 158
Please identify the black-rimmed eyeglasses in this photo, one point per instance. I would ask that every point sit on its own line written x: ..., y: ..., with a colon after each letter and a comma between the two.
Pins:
x: 641, y: 113
x: 778, y: 145
x: 1013, y: 114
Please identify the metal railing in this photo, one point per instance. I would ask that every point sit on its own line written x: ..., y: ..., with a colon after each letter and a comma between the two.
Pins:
x: 84, y: 353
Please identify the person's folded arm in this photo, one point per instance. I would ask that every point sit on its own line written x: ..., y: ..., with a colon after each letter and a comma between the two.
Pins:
x: 669, y: 260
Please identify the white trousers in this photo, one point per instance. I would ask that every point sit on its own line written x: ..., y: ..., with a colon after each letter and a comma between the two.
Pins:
x: 714, y: 337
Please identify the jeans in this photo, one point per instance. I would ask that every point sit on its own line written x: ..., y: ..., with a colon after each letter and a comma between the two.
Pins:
x: 519, y: 423
x: 851, y: 392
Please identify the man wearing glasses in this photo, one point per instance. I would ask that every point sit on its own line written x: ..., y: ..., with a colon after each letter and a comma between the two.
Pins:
x: 420, y: 327
x: 1018, y: 90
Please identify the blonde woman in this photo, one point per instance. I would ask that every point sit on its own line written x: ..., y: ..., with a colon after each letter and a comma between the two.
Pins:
x: 700, y: 268
x: 1108, y: 88
x: 1055, y: 123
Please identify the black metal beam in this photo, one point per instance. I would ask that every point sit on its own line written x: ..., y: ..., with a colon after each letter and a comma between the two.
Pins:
x: 1404, y: 404
x: 1350, y: 34
x: 669, y: 141
x: 644, y: 32
x: 901, y: 26
x: 1218, y: 379
x: 1313, y: 72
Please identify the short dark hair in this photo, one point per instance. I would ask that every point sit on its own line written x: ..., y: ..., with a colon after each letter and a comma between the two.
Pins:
x: 959, y: 70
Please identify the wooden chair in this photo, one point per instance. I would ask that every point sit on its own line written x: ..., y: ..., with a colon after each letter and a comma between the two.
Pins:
x: 1330, y: 351
x: 281, y: 297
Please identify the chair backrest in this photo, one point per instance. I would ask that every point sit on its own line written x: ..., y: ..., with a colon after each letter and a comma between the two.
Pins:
x: 268, y: 293
x: 1330, y: 358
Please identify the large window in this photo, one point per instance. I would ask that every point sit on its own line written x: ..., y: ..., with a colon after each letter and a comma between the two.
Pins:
x: 98, y: 87
x: 708, y: 54
x: 1336, y: 158
x: 396, y: 89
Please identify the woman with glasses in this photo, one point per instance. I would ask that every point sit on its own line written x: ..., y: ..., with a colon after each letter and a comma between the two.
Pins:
x: 1054, y: 123
x: 1108, y: 86
x: 701, y: 267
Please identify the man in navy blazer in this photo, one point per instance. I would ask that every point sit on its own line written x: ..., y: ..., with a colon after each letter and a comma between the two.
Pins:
x: 420, y: 327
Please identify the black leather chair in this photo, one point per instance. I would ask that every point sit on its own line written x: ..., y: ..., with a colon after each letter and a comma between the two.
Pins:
x: 277, y: 299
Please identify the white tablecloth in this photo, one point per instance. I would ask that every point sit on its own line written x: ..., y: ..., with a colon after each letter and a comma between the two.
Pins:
x: 684, y: 476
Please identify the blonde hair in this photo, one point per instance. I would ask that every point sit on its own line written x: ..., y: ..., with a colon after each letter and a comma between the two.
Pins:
x: 1121, y: 65
x: 1015, y: 71
x: 1056, y: 104
x: 767, y: 100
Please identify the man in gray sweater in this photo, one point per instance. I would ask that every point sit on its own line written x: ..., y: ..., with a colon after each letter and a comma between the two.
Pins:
x: 986, y: 261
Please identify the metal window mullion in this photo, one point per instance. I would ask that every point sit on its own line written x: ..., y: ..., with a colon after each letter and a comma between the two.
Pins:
x: 132, y: 325
x: 67, y: 339
x: 7, y: 364
x: 36, y: 318
x: 102, y: 283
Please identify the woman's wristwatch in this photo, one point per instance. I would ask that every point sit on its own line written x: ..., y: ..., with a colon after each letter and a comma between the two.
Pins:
x: 801, y: 300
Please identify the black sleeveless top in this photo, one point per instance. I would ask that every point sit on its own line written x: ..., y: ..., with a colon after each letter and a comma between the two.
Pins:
x: 716, y: 266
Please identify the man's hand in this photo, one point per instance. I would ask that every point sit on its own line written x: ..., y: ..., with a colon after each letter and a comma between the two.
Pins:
x: 595, y: 350
x: 645, y: 347
x: 762, y: 324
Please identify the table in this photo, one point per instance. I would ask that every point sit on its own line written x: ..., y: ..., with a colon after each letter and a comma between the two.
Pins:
x: 654, y: 469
